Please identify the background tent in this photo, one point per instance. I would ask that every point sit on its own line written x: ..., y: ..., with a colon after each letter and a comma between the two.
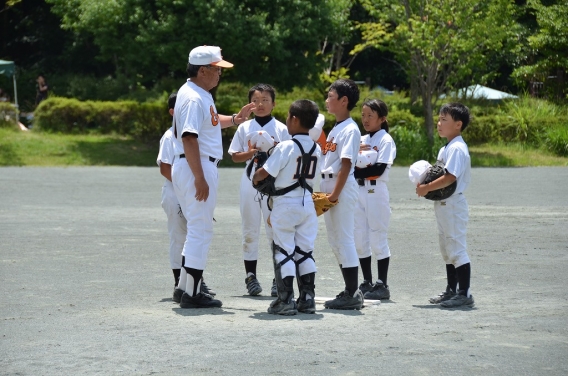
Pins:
x: 8, y: 68
x: 479, y: 91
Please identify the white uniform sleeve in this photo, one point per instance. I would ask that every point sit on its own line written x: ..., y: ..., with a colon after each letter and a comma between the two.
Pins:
x: 237, y: 144
x: 455, y: 161
x: 350, y: 145
x: 387, y: 151
x: 276, y: 161
x: 194, y: 118
x: 166, y: 153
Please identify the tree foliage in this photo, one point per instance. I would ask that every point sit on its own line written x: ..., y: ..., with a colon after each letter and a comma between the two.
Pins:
x: 548, y: 54
x: 440, y: 43
x: 276, y: 41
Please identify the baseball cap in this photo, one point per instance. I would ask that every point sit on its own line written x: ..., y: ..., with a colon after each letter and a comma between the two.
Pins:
x: 208, y: 55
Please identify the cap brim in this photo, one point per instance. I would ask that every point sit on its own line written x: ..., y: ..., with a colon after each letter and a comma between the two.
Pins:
x: 222, y: 64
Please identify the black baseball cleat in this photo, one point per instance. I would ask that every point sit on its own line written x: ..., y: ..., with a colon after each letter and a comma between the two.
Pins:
x: 200, y: 300
x: 365, y: 286
x: 177, y: 295
x: 346, y: 301
x: 378, y: 292
x: 205, y: 289
x: 253, y: 286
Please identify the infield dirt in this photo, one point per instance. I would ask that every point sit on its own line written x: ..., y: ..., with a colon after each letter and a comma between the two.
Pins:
x: 86, y: 286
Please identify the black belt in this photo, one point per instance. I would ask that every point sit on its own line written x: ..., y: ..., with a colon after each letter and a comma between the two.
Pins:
x: 362, y: 182
x: 211, y: 159
x: 331, y: 176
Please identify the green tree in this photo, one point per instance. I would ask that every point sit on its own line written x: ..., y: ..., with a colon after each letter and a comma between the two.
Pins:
x: 548, y: 48
x: 276, y: 41
x: 440, y: 43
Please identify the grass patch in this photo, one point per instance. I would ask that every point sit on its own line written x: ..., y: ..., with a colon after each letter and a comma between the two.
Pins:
x: 513, y: 155
x: 31, y: 148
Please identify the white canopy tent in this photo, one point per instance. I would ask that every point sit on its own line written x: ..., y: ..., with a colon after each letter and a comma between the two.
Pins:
x: 8, y: 68
x: 479, y: 91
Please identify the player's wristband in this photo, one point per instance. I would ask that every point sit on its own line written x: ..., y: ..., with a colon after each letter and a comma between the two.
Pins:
x: 233, y: 119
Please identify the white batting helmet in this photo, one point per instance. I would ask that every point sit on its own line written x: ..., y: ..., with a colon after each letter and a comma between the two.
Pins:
x: 262, y: 140
x: 366, y: 158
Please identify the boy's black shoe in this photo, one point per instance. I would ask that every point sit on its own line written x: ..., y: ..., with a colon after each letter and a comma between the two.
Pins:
x: 200, y: 300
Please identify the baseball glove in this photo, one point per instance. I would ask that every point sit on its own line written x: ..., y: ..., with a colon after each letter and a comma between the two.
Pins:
x: 434, y: 172
x: 266, y: 186
x: 322, y: 203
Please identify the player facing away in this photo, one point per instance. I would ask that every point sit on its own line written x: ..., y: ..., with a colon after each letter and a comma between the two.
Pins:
x: 177, y: 225
x: 373, y: 211
x: 338, y: 161
x: 253, y: 206
x: 452, y: 213
x: 293, y: 217
x: 198, y: 150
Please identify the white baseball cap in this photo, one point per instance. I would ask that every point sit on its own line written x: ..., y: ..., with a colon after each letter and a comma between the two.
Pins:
x: 208, y: 55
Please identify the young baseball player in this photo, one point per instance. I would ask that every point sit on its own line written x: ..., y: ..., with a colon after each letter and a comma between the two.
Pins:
x: 338, y: 161
x: 199, y: 149
x: 373, y: 212
x: 293, y: 218
x: 177, y: 225
x: 253, y: 206
x: 452, y: 213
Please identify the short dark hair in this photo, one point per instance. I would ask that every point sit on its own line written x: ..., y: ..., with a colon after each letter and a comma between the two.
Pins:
x: 346, y: 88
x: 262, y: 88
x: 172, y: 101
x: 306, y: 111
x: 458, y: 112
x: 192, y: 70
x: 381, y: 108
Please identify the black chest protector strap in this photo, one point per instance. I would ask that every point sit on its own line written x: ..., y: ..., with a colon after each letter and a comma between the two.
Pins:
x: 304, y: 171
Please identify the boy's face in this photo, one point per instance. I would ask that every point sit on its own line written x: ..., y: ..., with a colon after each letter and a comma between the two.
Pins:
x: 448, y: 127
x: 333, y: 103
x: 263, y: 102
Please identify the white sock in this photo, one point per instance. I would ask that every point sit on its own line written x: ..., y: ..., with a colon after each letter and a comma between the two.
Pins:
x: 249, y: 274
x: 189, y: 285
x: 182, y: 279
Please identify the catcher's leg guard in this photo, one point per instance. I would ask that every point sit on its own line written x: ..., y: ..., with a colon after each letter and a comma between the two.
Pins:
x: 284, y: 304
x: 306, y: 285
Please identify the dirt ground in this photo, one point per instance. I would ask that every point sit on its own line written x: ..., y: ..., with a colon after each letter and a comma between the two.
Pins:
x: 86, y: 285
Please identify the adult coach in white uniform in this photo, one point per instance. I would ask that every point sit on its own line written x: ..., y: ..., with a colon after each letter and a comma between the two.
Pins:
x: 198, y: 151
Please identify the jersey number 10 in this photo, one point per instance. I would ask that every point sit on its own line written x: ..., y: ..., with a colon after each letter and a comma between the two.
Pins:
x: 309, y: 169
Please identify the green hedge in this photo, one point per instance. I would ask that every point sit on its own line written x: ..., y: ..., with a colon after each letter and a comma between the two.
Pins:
x: 145, y: 121
x: 526, y: 121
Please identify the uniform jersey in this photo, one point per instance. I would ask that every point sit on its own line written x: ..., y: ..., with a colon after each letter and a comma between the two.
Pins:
x: 342, y: 142
x: 241, y: 139
x: 383, y: 144
x: 195, y: 112
x: 166, y: 153
x: 455, y: 156
x: 284, y: 164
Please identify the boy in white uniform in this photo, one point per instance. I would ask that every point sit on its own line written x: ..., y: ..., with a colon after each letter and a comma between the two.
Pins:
x: 254, y: 206
x: 293, y: 217
x: 373, y: 211
x: 338, y: 161
x: 452, y: 213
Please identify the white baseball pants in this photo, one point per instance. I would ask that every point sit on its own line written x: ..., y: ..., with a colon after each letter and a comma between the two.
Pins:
x: 452, y: 216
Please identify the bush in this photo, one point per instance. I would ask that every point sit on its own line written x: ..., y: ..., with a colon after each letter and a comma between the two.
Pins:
x: 7, y: 115
x: 145, y: 121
